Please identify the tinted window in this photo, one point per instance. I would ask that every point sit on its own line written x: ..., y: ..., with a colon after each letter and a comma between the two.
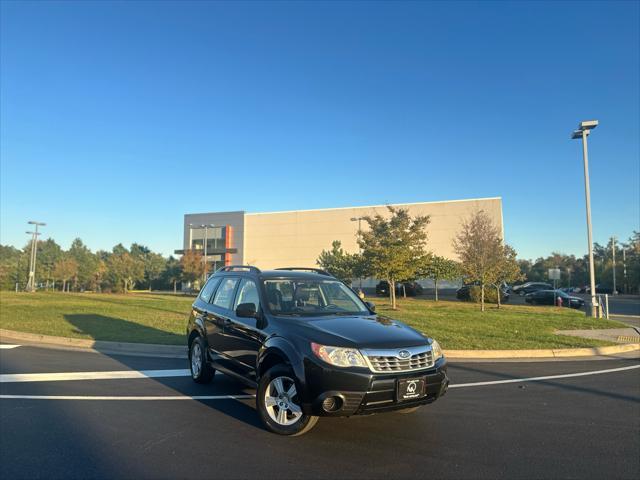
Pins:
x: 224, y: 294
x: 208, y: 289
x: 248, y: 293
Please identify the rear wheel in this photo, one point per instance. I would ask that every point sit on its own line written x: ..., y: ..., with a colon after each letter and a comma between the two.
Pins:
x: 278, y: 403
x: 201, y: 371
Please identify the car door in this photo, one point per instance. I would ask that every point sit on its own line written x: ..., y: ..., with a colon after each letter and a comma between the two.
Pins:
x: 243, y: 336
x: 218, y: 315
x: 201, y: 305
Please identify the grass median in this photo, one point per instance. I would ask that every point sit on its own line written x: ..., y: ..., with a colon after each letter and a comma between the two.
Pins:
x: 161, y: 319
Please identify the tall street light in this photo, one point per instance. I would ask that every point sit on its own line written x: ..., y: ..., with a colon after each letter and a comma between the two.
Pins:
x: 206, y: 265
x: 584, y: 128
x: 359, y: 220
x: 613, y: 255
x: 31, y: 283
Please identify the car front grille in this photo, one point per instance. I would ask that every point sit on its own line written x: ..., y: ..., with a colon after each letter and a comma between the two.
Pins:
x: 387, y: 361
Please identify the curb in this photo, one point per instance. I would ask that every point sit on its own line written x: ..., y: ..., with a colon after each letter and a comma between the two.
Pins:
x: 541, y: 353
x: 123, y: 348
x: 178, y: 351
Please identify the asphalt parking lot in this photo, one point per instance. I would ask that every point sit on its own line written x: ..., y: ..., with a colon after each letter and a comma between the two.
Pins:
x: 99, y: 416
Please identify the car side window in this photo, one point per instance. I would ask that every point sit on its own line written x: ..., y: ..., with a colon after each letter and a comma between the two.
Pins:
x: 208, y: 289
x: 224, y: 294
x: 247, y: 293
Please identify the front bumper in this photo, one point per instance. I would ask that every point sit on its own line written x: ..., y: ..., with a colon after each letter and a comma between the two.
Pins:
x: 363, y: 392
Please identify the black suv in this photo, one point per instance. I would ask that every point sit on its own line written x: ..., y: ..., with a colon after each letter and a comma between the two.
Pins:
x: 310, y: 346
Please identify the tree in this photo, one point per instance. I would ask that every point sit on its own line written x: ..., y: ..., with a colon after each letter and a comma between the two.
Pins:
x: 87, y: 264
x: 192, y: 266
x: 338, y: 263
x: 479, y: 247
x: 125, y: 269
x: 64, y: 270
x: 507, y: 270
x: 154, y: 263
x: 172, y: 273
x: 49, y: 252
x: 393, y: 248
x: 440, y: 268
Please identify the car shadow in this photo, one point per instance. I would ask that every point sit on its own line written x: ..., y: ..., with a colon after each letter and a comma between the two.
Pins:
x: 105, y: 328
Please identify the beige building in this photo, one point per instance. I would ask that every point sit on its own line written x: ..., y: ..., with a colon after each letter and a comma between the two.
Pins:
x: 296, y: 238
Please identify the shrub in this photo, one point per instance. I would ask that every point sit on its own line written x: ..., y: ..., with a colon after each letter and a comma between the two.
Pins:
x: 490, y: 294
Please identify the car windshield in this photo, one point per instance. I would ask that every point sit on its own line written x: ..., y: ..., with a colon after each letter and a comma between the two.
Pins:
x: 312, y: 297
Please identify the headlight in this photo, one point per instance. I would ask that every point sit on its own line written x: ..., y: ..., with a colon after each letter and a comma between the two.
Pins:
x: 338, y: 356
x: 437, y: 351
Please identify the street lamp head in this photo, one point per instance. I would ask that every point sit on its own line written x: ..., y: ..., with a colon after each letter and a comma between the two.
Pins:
x: 578, y: 134
x: 33, y: 222
x: 354, y: 219
x: 588, y: 125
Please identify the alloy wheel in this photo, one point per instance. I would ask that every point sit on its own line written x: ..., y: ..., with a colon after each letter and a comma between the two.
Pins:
x: 281, y: 402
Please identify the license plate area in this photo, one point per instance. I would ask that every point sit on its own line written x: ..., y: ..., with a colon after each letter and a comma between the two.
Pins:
x: 410, y: 389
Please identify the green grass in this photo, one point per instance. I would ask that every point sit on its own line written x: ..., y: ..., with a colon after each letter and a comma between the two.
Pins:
x: 141, y: 318
x: 462, y: 326
x: 148, y: 318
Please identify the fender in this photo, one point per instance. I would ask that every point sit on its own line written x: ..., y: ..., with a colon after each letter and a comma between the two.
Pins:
x: 285, y: 349
x: 196, y: 324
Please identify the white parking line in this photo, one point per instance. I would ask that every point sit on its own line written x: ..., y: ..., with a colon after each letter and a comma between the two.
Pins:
x: 6, y: 346
x: 145, y: 398
x: 65, y: 376
x: 548, y: 377
x: 173, y: 373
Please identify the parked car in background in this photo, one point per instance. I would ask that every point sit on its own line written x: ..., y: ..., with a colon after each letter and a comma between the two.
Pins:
x: 530, y: 287
x: 411, y: 288
x: 464, y: 292
x: 570, y: 290
x: 599, y: 289
x: 549, y: 297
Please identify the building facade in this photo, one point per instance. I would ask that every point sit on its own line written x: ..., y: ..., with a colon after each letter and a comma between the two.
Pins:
x: 296, y: 238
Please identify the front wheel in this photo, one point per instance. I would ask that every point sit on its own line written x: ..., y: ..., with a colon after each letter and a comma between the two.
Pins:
x: 278, y: 403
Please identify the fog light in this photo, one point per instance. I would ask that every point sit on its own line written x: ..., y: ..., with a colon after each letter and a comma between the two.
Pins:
x: 331, y: 404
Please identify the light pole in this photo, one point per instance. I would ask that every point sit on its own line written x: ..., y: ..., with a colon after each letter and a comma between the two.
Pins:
x: 613, y: 255
x: 31, y: 283
x: 206, y: 265
x: 359, y: 220
x: 624, y: 269
x: 584, y: 128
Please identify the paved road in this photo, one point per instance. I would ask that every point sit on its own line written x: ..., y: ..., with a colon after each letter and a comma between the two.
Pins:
x: 579, y: 426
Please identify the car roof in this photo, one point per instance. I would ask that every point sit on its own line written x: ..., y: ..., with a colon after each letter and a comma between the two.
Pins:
x: 268, y: 274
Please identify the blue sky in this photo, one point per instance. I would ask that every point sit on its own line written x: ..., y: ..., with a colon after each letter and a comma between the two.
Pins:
x: 119, y: 117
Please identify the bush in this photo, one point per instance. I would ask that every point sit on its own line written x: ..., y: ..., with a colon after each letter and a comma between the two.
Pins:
x: 490, y: 294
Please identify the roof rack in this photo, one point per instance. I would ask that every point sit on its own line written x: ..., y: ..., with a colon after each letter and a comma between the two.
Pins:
x: 307, y: 269
x: 231, y: 268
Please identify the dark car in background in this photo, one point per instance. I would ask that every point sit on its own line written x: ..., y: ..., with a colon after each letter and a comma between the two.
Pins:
x: 530, y: 287
x: 411, y: 289
x: 550, y: 297
x: 464, y: 292
x: 310, y: 347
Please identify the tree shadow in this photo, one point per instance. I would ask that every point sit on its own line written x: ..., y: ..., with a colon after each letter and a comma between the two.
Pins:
x: 112, y: 329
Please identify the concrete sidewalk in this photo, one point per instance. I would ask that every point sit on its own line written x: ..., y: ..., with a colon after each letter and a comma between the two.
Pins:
x: 617, y: 335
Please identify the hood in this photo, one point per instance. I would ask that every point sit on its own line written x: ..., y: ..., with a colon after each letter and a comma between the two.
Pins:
x: 370, y: 331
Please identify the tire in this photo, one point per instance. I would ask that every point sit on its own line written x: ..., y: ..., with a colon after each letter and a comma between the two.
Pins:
x: 201, y: 371
x: 275, y: 388
x: 407, y: 410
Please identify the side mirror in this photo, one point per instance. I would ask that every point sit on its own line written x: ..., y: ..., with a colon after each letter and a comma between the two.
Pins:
x: 246, y: 310
x: 370, y: 306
